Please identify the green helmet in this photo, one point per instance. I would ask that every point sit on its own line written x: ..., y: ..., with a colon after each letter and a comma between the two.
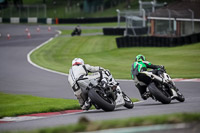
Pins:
x: 140, y: 58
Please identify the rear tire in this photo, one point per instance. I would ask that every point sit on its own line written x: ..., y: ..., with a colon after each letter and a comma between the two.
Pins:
x: 158, y: 94
x: 105, y: 103
x: 128, y: 102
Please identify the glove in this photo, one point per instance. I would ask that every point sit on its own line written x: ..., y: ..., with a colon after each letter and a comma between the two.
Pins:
x: 101, y: 69
x: 162, y: 68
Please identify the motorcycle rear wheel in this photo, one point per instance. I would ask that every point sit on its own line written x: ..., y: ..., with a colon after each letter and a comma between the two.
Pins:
x: 98, y: 98
x: 158, y: 94
x: 128, y: 102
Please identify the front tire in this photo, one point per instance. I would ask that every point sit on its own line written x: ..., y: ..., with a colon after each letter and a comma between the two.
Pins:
x: 128, y: 102
x: 98, y: 98
x: 163, y: 97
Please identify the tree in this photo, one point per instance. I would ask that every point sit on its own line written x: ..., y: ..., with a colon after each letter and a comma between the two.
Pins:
x: 18, y: 3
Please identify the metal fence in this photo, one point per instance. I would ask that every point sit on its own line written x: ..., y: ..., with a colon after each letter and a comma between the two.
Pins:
x: 150, y: 6
x: 176, y: 23
x: 133, y: 19
x: 24, y: 11
x: 166, y: 22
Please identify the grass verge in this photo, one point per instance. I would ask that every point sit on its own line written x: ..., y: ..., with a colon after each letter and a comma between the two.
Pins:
x: 180, y: 62
x: 85, y: 125
x: 68, y: 32
x: 107, y: 24
x: 14, y: 105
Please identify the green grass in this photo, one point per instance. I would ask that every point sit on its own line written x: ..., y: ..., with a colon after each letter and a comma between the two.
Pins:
x: 180, y: 62
x: 14, y: 105
x: 107, y: 24
x: 61, y: 10
x: 68, y: 32
x: 86, y: 125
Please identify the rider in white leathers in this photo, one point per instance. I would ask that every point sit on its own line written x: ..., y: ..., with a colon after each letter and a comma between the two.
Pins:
x: 79, y: 80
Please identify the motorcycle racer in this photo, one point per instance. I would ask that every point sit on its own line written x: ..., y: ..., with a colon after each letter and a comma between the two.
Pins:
x: 138, y: 66
x: 80, y: 77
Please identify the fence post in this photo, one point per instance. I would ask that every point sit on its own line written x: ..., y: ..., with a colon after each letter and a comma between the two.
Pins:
x: 126, y: 30
x: 1, y: 13
x: 37, y: 11
x: 118, y: 17
x: 144, y: 15
x: 192, y: 20
x: 28, y: 10
x: 10, y: 12
x: 169, y: 21
x: 20, y: 11
x: 45, y: 11
x: 153, y: 6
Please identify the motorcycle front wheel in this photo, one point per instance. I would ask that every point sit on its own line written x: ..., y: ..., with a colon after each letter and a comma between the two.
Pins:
x: 160, y: 95
x: 98, y: 98
x: 128, y: 102
x: 180, y: 97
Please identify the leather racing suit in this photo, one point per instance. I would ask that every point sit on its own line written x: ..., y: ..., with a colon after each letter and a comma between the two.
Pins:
x: 79, y: 79
x: 139, y: 79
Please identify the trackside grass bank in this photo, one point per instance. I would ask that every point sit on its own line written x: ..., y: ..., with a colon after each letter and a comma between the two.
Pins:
x: 68, y: 32
x: 85, y: 125
x: 108, y: 24
x: 180, y: 62
x: 14, y: 105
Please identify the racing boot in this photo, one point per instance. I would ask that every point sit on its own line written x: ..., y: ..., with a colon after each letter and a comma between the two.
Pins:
x: 146, y: 95
x: 86, y: 105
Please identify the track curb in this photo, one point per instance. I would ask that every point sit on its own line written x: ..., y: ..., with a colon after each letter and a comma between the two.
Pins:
x: 38, y: 116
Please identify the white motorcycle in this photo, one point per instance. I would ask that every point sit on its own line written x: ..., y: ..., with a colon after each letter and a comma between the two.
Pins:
x: 161, y: 88
x: 107, y: 94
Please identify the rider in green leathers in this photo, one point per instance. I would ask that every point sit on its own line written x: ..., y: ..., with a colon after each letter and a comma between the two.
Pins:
x: 141, y: 81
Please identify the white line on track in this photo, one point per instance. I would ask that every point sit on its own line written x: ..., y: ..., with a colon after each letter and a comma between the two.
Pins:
x: 17, y: 119
x: 40, y: 67
x: 26, y: 118
x: 59, y: 32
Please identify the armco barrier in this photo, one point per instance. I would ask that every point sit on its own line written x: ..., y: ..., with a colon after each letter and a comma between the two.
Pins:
x: 113, y: 31
x: 23, y: 20
x: 42, y: 20
x: 154, y: 41
x: 32, y: 20
x: 5, y: 20
x: 60, y: 20
x: 49, y: 21
x: 14, y: 20
x: 194, y: 38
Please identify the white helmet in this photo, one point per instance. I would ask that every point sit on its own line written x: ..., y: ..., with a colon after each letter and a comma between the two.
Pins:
x: 77, y: 61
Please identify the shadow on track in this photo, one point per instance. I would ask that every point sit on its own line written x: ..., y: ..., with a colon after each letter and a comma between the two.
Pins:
x: 157, y: 103
x: 102, y: 111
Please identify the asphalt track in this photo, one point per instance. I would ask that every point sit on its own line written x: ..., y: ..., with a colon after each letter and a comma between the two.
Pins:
x: 18, y: 76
